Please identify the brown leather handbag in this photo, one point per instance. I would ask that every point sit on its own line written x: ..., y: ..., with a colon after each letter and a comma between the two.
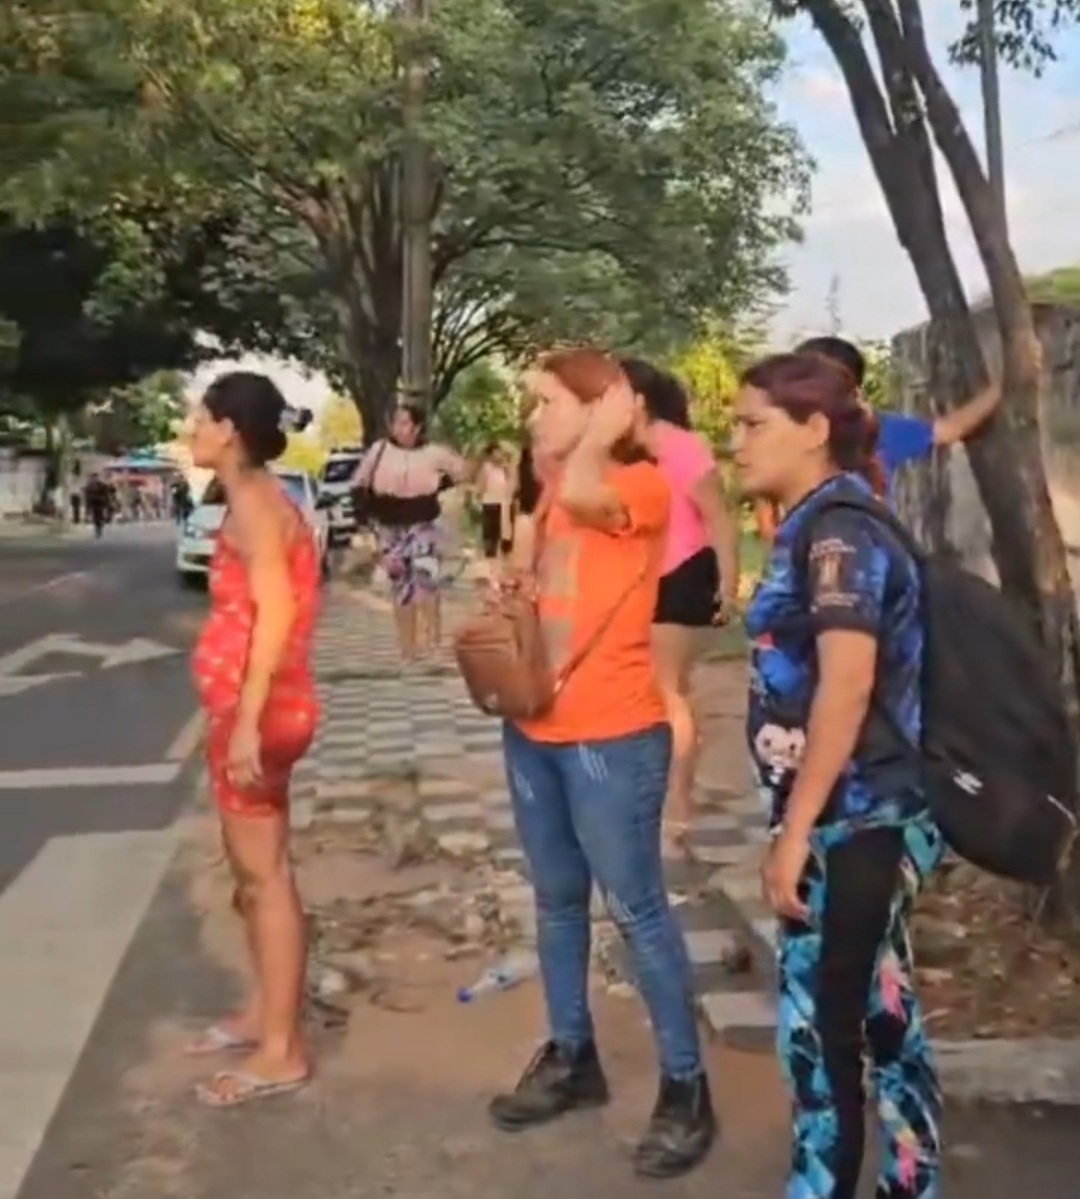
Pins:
x: 502, y: 656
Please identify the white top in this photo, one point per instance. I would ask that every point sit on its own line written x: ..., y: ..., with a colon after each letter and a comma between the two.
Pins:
x: 493, y: 483
x: 407, y: 473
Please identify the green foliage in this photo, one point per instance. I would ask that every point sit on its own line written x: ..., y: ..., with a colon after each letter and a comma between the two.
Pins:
x: 1056, y: 287
x: 60, y: 350
x: 709, y: 368
x: 140, y: 416
x: 1025, y: 31
x: 610, y: 169
x: 339, y: 423
x: 879, y: 385
x: 480, y: 408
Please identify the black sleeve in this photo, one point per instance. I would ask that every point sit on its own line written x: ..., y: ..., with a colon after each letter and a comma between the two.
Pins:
x: 847, y: 572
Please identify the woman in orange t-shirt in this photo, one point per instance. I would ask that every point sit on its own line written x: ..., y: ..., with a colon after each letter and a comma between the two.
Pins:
x: 588, y: 778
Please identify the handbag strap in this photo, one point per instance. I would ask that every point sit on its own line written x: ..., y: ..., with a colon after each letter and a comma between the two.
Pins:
x: 380, y: 449
x: 594, y: 637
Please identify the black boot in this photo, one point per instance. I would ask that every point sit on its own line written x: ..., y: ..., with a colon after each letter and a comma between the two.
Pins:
x: 553, y: 1084
x: 681, y: 1130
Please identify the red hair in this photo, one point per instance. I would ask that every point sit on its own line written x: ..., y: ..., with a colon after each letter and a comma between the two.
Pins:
x: 586, y: 372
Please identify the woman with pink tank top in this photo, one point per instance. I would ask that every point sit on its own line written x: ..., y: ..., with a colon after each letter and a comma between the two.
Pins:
x: 700, y: 572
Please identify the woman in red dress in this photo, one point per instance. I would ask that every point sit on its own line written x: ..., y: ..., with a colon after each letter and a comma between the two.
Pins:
x: 252, y: 671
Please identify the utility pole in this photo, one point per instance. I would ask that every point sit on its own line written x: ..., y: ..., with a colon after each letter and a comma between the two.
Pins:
x: 417, y: 298
x: 991, y: 96
x: 832, y: 307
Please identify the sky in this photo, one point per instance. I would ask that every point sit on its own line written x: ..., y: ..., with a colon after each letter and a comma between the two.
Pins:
x: 848, y: 235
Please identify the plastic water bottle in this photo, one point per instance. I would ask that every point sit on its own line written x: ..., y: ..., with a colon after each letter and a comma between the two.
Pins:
x: 507, y: 972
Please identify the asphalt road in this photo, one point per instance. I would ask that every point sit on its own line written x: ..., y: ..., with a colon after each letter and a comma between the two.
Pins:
x: 98, y: 733
x: 68, y: 738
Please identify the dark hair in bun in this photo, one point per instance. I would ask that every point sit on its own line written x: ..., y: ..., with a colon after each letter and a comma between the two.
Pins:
x: 806, y: 383
x: 255, y: 407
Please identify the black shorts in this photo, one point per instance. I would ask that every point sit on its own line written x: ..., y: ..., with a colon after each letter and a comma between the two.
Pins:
x: 491, y: 522
x: 687, y: 594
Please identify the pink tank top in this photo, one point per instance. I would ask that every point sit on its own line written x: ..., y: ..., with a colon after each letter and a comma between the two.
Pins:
x: 684, y: 459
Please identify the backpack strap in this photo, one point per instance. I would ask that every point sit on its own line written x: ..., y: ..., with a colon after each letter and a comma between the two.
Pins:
x: 879, y: 720
x: 870, y: 506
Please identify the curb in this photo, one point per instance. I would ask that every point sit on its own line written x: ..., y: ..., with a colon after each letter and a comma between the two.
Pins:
x: 1000, y: 1070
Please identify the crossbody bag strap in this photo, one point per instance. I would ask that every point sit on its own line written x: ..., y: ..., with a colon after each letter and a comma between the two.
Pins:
x: 879, y: 718
x: 540, y: 519
x: 370, y: 484
x: 594, y: 638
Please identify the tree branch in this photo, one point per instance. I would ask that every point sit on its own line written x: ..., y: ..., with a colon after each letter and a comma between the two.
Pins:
x: 1006, y: 282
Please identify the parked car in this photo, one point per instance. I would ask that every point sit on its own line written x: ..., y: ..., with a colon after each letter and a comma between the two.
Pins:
x: 335, y: 491
x: 196, y: 545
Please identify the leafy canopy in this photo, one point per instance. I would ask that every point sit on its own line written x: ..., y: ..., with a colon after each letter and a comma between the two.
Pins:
x: 610, y: 169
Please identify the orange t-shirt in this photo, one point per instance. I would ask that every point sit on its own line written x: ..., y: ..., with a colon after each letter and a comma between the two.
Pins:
x: 582, y: 573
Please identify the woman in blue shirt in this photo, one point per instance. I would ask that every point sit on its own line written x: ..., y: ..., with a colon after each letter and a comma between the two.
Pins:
x: 835, y: 624
x: 901, y: 439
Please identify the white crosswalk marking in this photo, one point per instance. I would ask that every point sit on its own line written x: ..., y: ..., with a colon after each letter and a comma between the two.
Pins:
x: 65, y: 924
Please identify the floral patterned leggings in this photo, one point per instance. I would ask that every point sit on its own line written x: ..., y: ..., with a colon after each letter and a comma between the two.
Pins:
x: 410, y: 557
x: 846, y: 992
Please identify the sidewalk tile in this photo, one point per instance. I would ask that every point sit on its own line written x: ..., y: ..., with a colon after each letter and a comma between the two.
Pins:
x: 379, y: 724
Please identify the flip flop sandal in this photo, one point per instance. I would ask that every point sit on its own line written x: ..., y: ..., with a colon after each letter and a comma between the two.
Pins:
x: 245, y: 1088
x: 217, y: 1039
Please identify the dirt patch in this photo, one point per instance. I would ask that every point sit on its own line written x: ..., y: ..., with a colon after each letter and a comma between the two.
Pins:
x: 985, y: 968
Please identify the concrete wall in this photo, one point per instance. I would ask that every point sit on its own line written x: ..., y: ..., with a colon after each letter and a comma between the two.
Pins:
x: 940, y: 501
x: 21, y: 479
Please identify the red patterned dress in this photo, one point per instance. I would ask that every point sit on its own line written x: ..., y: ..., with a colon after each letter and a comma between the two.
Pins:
x: 288, y: 720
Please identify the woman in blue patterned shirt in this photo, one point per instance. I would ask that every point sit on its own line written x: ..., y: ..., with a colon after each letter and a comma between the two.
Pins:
x: 836, y: 634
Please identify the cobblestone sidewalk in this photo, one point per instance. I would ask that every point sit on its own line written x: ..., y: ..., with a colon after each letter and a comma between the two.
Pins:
x: 382, y: 726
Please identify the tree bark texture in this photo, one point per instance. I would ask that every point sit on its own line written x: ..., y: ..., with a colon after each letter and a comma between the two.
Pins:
x: 1006, y: 456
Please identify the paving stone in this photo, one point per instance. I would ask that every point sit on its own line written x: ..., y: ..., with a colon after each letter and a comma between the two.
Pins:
x: 736, y: 885
x: 766, y: 929
x: 424, y: 728
x: 709, y: 945
x: 727, y: 855
x: 301, y: 814
x: 738, y: 1009
x: 445, y: 813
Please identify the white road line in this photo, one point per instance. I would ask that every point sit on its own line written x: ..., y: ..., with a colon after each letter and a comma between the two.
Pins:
x: 71, y: 576
x: 44, y: 779
x: 65, y: 924
x: 187, y: 741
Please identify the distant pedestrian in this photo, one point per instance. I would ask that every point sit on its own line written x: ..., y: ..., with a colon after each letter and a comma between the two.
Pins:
x: 252, y: 667
x: 403, y: 475
x: 494, y: 487
x: 98, y: 503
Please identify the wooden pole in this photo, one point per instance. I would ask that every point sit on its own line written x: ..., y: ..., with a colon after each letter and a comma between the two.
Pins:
x: 417, y: 298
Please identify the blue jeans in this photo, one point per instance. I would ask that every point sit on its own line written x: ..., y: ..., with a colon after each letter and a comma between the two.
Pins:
x: 589, y: 810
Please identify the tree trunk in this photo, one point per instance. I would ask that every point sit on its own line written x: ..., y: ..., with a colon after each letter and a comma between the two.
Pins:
x: 1006, y: 457
x: 1029, y: 548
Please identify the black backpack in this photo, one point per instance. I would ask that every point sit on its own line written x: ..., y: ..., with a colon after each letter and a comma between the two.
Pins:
x: 998, y: 759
